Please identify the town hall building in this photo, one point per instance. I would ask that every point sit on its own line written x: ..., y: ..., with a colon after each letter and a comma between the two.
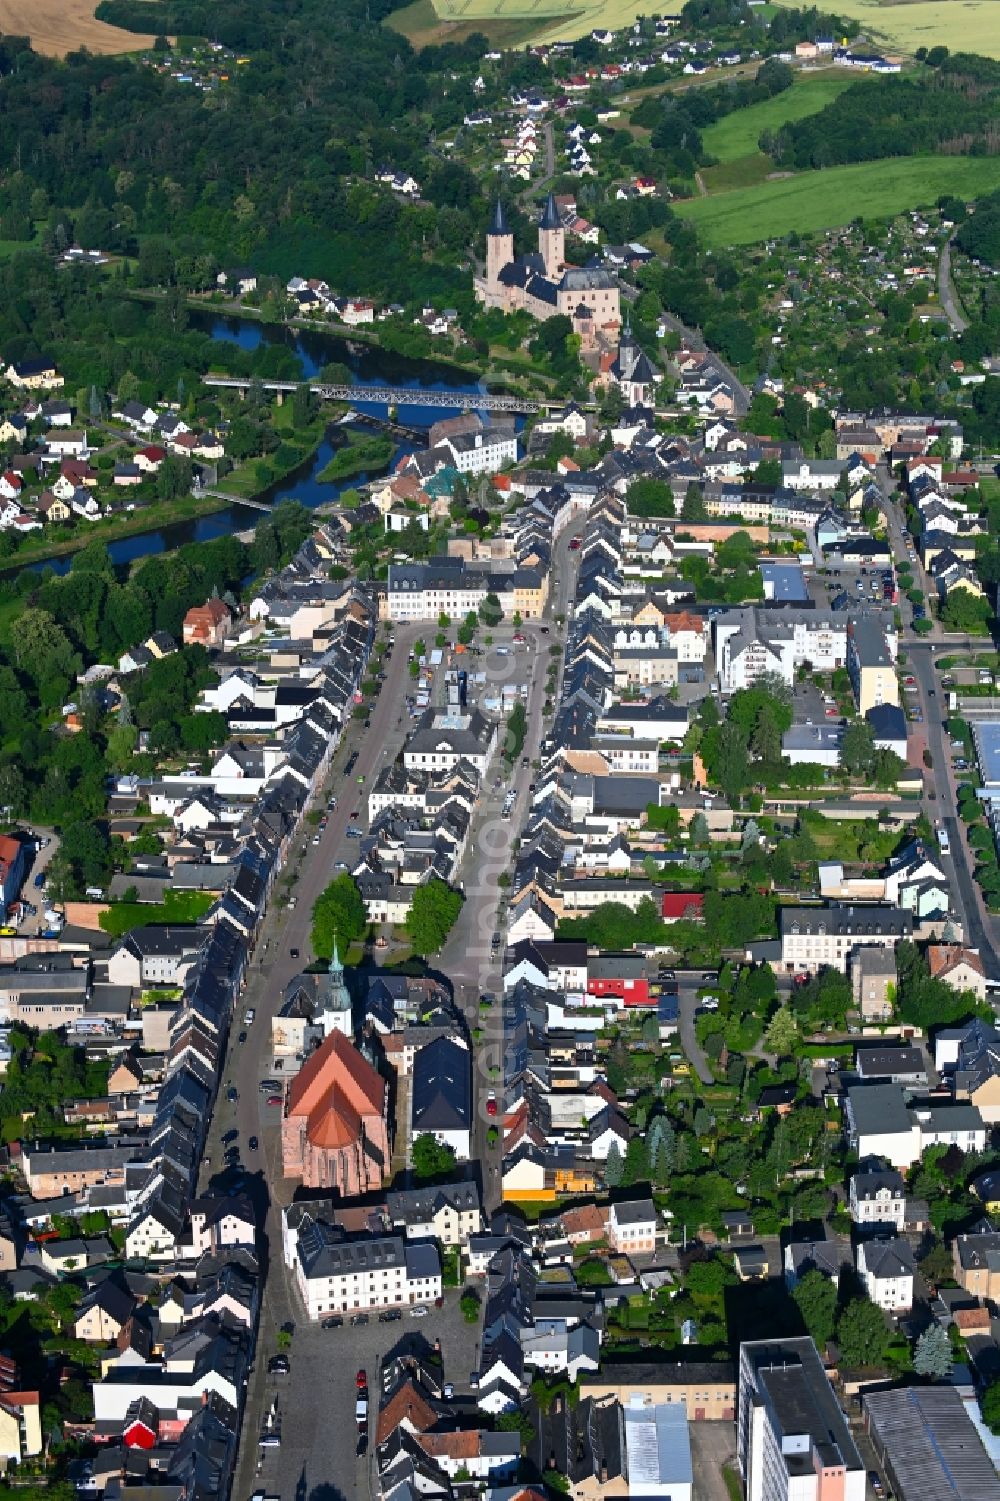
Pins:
x: 543, y: 285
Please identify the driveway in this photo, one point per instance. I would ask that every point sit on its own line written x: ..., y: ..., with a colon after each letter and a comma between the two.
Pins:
x: 687, y: 989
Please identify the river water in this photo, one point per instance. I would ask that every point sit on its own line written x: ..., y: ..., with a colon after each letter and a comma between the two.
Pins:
x: 368, y: 365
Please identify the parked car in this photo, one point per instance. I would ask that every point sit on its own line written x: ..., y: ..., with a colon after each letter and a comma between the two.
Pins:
x: 278, y: 1365
x: 243, y: 1037
x: 491, y: 1102
x: 389, y: 1316
x: 333, y: 1322
x: 275, y: 1099
x: 359, y: 1320
x: 361, y: 1379
x: 253, y: 1143
x: 232, y: 1095
x: 420, y: 1312
x: 270, y: 1440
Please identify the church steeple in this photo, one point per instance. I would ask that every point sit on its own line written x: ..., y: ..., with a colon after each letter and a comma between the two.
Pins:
x: 335, y: 1012
x: 498, y: 220
x: 550, y: 216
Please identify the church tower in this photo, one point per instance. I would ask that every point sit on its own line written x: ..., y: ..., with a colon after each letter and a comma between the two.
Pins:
x: 335, y: 1012
x: 552, y: 240
x: 499, y: 245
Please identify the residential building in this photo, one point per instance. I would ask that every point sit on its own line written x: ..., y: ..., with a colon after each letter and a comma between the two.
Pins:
x: 959, y: 967
x: 976, y: 1262
x: 793, y: 1442
x: 441, y: 1095
x: 705, y: 1390
x: 208, y: 624
x: 815, y: 938
x: 877, y: 1196
x: 871, y: 664
x: 632, y: 1227
x: 449, y: 1213
x: 886, y: 1267
x: 879, y: 1124
x: 338, y: 1275
x: 874, y: 980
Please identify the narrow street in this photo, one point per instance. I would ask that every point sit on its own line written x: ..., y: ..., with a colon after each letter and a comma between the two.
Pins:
x: 946, y: 291
x: 981, y: 930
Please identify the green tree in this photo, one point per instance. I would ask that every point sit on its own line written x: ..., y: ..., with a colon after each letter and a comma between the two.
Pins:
x: 614, y: 1167
x: 782, y: 1033
x: 694, y: 507
x: 815, y: 1296
x: 857, y: 751
x: 433, y: 913
x: 469, y: 1303
x: 431, y: 1158
x: 932, y: 1356
x: 339, y: 914
x: 989, y: 1406
x: 862, y: 1333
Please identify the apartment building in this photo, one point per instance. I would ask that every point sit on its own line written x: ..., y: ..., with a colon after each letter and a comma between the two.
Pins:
x: 792, y: 1439
x: 337, y: 1275
x: 423, y: 591
x: 815, y: 938
x: 871, y: 664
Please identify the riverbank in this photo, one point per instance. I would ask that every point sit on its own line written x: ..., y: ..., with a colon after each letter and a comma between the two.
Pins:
x: 39, y: 547
x: 362, y: 454
x: 255, y: 477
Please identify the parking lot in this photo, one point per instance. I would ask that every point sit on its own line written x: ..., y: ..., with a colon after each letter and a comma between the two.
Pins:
x: 316, y: 1401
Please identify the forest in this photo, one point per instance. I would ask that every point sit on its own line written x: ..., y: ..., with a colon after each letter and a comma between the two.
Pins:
x: 948, y: 110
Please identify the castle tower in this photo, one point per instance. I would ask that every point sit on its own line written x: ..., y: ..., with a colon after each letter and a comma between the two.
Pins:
x: 499, y: 245
x: 552, y: 240
x: 335, y: 1013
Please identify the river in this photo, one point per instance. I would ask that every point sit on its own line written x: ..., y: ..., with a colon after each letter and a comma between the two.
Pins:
x: 368, y: 365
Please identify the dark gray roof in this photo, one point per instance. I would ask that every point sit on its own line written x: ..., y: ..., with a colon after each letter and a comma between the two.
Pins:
x: 442, y: 1087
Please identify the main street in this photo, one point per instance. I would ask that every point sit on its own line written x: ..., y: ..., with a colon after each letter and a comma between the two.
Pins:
x: 981, y: 930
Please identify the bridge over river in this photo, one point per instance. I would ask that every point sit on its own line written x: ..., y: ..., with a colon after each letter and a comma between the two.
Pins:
x: 390, y: 396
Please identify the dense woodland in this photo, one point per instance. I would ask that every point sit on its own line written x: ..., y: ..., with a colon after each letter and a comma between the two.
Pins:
x: 950, y: 110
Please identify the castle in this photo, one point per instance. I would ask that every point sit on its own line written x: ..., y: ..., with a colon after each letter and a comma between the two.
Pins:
x: 543, y: 285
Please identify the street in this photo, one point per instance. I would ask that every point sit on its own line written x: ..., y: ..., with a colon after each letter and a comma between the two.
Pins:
x: 981, y: 930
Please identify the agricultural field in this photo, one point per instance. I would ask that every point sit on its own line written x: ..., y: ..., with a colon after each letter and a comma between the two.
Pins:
x: 510, y: 22
x: 60, y: 26
x: 810, y: 201
x: 962, y: 25
x: 737, y: 134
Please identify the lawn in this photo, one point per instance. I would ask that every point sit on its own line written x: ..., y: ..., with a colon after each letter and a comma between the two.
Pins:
x: 810, y: 201
x: 737, y: 134
x: 962, y: 25
x: 176, y: 907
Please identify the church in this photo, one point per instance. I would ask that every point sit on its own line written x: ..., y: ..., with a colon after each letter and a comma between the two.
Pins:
x: 543, y: 285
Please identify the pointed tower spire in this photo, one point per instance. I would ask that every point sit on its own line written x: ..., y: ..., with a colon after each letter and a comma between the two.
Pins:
x: 336, y: 968
x: 498, y: 220
x: 550, y: 216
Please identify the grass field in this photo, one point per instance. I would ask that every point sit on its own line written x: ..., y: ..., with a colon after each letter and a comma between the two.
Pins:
x: 737, y: 134
x: 822, y: 200
x: 523, y: 21
x: 420, y: 23
x: 962, y: 25
x: 60, y: 26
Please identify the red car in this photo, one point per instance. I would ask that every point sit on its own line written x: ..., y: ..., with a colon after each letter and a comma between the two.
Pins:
x: 361, y: 1380
x: 574, y: 544
x: 275, y: 1099
x: 491, y: 1103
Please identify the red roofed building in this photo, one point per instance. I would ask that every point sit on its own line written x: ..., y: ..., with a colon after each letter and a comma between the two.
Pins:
x: 208, y: 624
x: 142, y: 1425
x: 335, y: 1132
x: 150, y: 458
x: 619, y: 977
x: 12, y: 869
x: 677, y: 905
